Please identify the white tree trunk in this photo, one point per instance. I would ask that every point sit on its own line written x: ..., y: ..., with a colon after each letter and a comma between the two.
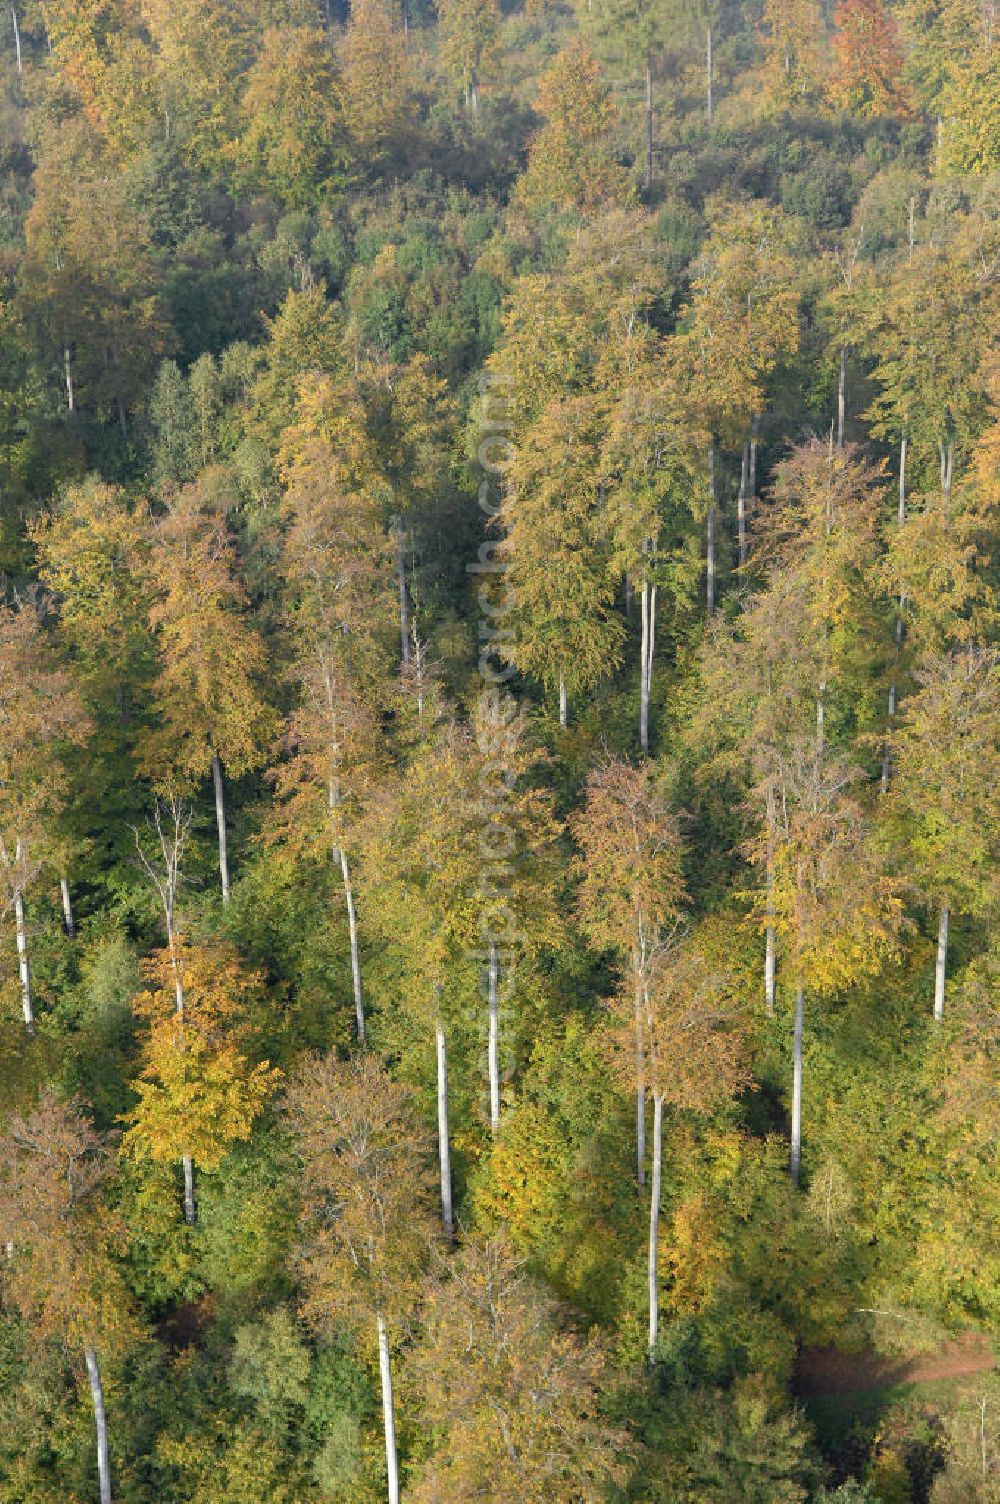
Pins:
x: 352, y: 925
x: 649, y: 124
x: 444, y: 1141
x: 563, y: 713
x: 741, y: 503
x: 887, y: 748
x: 947, y: 467
x: 67, y: 907
x: 647, y: 649
x: 494, y: 1038
x: 404, y: 600
x: 941, y: 964
x: 796, y: 1157
x: 190, y: 1210
x: 654, y: 1222
x: 709, y: 90
x: 388, y: 1411
x: 769, y: 968
x: 68, y: 374
x: 842, y: 397
x: 640, y: 1082
x: 27, y: 1003
x: 101, y: 1424
x: 17, y: 42
x: 901, y: 512
x: 710, y: 534
x: 220, y: 820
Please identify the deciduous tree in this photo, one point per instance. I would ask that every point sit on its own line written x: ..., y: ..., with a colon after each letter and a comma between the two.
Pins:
x: 631, y: 888
x: 366, y: 1198
x: 60, y: 1271
x: 946, y: 750
x: 207, y: 692
x: 43, y: 719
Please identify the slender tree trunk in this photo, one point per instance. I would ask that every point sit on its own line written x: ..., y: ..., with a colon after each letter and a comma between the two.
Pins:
x: 444, y: 1141
x: 100, y: 1423
x: 563, y: 712
x: 190, y: 1209
x: 24, y: 969
x: 891, y: 709
x: 649, y: 124
x: 947, y: 450
x: 68, y: 375
x: 654, y: 1222
x: 220, y: 820
x: 67, y: 908
x: 388, y: 1410
x: 709, y: 101
x: 887, y: 746
x: 769, y: 936
x: 796, y: 1158
x: 640, y: 1080
x: 494, y: 1039
x: 404, y: 599
x: 741, y: 503
x: 17, y: 42
x: 474, y: 99
x: 842, y: 397
x: 122, y: 418
x: 647, y: 649
x: 941, y: 964
x: 710, y: 533
x: 352, y: 925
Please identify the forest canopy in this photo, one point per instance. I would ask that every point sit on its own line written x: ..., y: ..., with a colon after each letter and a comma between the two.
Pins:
x: 499, y: 751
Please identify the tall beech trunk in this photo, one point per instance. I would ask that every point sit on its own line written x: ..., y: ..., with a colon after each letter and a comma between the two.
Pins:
x: 649, y: 124
x: 23, y: 966
x: 190, y: 1207
x: 842, y: 397
x: 100, y: 1423
x: 941, y: 964
x: 563, y: 710
x: 640, y: 1078
x: 709, y: 91
x: 352, y: 925
x: 220, y: 820
x: 891, y: 707
x: 388, y: 1410
x: 68, y: 376
x: 647, y: 648
x: 187, y: 1163
x: 796, y: 1157
x: 947, y: 451
x: 493, y: 1050
x: 741, y: 502
x: 444, y: 1140
x: 769, y: 935
x: 69, y: 924
x: 710, y: 533
x: 17, y: 42
x: 404, y: 599
x: 654, y: 1222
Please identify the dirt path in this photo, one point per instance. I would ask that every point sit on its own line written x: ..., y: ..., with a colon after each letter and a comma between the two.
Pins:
x: 827, y: 1371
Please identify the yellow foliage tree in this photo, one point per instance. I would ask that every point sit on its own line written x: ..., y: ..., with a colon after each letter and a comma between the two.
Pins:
x: 198, y: 1092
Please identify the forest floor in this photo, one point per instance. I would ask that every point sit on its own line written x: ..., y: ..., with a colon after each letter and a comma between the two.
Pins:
x: 852, y: 1397
x: 825, y: 1371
